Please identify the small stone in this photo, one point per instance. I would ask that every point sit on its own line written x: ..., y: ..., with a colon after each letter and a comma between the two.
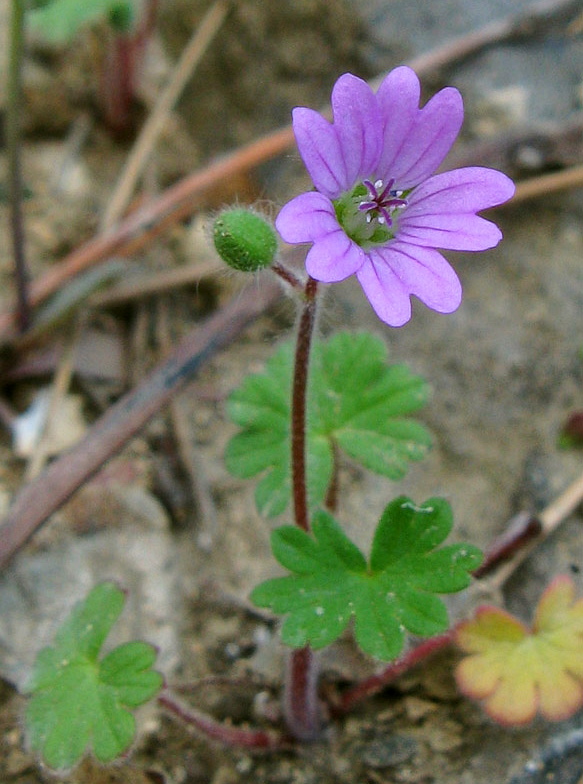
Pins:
x: 389, y: 751
x: 444, y: 735
x: 417, y: 709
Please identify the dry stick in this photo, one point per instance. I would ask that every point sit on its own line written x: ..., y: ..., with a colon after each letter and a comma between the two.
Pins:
x: 515, y: 26
x: 59, y: 389
x: 189, y: 60
x: 181, y: 199
x: 58, y: 482
x: 549, y: 519
x: 135, y: 287
x: 548, y: 183
x: 189, y: 457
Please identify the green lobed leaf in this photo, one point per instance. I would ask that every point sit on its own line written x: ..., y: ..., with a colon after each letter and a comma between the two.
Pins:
x: 77, y: 700
x: 396, y: 591
x: 356, y: 403
x: 60, y: 20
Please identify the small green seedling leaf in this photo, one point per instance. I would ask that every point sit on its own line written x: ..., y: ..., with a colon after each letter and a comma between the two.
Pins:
x: 355, y: 403
x: 518, y: 671
x: 78, y: 701
x: 395, y: 591
x: 60, y: 20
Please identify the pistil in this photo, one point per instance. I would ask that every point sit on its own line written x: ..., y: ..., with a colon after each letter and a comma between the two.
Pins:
x: 382, y: 203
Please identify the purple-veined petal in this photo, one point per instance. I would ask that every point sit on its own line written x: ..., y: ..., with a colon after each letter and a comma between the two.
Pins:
x: 334, y: 257
x: 430, y: 138
x: 398, y: 101
x: 451, y: 232
x: 422, y: 272
x: 306, y: 218
x: 460, y: 191
x: 357, y: 122
x: 385, y: 292
x: 320, y: 150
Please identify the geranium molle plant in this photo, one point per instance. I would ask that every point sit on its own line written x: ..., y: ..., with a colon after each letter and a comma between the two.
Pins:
x: 379, y: 210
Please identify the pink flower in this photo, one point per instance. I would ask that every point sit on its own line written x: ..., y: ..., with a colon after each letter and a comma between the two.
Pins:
x: 379, y: 212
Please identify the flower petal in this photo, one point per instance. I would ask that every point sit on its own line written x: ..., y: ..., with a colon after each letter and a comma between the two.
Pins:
x: 460, y: 191
x: 399, y: 270
x: 306, y: 218
x: 398, y: 101
x: 415, y: 140
x: 451, y: 232
x: 425, y: 273
x: 320, y: 150
x: 431, y: 138
x: 385, y: 292
x: 358, y: 124
x: 334, y: 257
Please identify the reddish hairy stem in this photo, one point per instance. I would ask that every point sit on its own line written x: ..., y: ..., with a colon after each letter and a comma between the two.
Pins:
x: 122, y: 61
x: 286, y: 274
x: 254, y: 739
x: 299, y: 396
x: 300, y: 692
x: 375, y: 683
x: 521, y: 531
x: 300, y: 699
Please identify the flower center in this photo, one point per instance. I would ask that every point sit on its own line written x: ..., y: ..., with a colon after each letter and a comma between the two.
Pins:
x: 367, y: 213
x: 382, y: 203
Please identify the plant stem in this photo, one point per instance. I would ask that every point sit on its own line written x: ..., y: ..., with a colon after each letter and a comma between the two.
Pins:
x: 299, y: 396
x: 14, y: 107
x: 252, y: 739
x: 123, y: 57
x: 376, y: 683
x: 288, y: 276
x: 300, y: 690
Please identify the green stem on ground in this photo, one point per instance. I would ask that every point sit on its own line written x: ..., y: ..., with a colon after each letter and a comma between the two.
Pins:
x: 14, y: 144
x: 301, y: 709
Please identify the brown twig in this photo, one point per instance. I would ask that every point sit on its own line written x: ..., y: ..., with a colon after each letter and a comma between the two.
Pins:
x: 59, y: 389
x: 191, y: 462
x: 549, y: 519
x: 549, y: 183
x: 514, y: 27
x: 155, y: 283
x: 39, y: 499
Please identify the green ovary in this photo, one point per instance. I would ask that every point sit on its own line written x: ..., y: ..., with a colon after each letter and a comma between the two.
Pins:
x: 366, y: 233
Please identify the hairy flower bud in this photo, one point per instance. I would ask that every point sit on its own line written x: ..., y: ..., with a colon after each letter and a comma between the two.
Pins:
x: 244, y: 240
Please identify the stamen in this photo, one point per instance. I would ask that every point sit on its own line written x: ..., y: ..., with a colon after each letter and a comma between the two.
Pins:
x: 382, y: 202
